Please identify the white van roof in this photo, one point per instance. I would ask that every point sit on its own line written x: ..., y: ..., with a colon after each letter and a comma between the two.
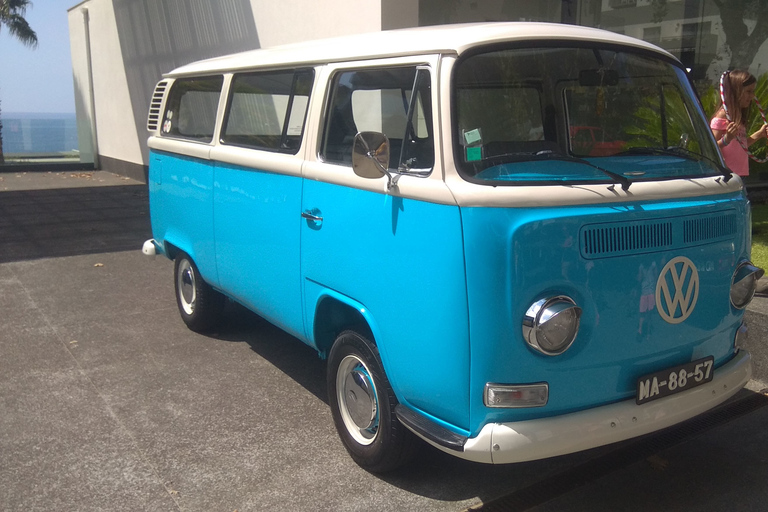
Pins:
x: 442, y: 39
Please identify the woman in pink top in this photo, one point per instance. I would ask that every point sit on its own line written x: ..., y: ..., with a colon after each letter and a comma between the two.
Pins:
x: 739, y: 88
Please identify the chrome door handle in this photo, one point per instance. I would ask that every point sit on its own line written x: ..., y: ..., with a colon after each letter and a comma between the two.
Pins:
x: 310, y: 215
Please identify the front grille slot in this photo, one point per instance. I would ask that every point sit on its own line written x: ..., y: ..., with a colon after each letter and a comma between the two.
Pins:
x: 639, y: 237
x: 709, y: 228
x: 613, y: 240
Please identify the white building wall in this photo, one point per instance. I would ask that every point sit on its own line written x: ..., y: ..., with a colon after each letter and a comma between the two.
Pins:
x: 161, y: 35
x: 399, y: 14
x: 292, y: 21
x: 135, y: 41
x: 80, y: 77
x: 118, y: 137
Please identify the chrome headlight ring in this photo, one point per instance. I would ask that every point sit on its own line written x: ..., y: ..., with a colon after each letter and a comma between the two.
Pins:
x: 744, y: 284
x: 550, y: 325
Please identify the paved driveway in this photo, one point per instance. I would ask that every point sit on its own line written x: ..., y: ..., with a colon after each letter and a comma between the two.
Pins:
x: 108, y: 402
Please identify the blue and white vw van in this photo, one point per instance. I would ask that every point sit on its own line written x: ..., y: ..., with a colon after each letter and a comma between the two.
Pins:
x: 511, y: 240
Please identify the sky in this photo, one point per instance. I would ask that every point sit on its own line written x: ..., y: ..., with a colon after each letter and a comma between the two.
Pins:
x: 39, y: 80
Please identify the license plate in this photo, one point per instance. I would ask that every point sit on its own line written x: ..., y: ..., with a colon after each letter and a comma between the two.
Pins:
x: 674, y: 380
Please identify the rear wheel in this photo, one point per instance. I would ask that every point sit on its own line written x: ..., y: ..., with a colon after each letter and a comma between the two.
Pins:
x: 363, y: 406
x: 199, y: 305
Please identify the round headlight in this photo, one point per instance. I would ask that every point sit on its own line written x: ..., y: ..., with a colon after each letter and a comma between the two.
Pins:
x: 744, y: 284
x: 550, y: 325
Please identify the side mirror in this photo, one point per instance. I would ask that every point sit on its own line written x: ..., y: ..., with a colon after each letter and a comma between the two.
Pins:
x: 370, y: 155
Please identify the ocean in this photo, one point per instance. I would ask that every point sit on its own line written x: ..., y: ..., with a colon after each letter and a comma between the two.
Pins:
x: 36, y: 133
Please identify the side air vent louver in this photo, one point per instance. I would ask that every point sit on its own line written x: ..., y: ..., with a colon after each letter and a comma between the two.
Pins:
x: 599, y: 241
x: 153, y: 119
x: 707, y: 228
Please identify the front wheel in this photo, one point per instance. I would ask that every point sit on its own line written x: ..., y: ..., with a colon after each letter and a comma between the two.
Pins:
x: 363, y: 406
x: 199, y: 305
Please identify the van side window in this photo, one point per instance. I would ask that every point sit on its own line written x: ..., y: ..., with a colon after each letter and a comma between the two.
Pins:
x: 382, y: 100
x: 191, y: 109
x: 267, y: 110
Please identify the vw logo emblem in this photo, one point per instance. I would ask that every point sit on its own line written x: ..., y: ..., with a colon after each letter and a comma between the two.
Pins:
x: 677, y: 290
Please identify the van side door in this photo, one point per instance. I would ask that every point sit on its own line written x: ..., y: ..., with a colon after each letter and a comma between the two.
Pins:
x: 257, y: 193
x: 395, y: 254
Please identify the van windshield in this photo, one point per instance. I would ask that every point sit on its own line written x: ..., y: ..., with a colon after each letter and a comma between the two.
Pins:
x: 577, y: 114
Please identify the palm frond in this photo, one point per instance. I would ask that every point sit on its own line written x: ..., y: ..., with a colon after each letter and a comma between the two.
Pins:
x: 12, y: 16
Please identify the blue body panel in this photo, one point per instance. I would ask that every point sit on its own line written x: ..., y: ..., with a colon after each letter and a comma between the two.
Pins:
x: 403, y: 261
x: 181, y: 208
x: 517, y: 256
x: 444, y: 289
x: 257, y: 219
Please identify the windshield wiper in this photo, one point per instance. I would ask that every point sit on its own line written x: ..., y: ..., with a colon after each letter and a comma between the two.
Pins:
x: 548, y: 154
x: 680, y: 152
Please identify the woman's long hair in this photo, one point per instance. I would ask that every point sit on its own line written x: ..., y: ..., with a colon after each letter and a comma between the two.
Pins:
x: 733, y: 85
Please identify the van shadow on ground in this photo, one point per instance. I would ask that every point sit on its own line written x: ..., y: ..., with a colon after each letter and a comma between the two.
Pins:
x: 72, y: 221
x: 432, y: 473
x: 524, y: 486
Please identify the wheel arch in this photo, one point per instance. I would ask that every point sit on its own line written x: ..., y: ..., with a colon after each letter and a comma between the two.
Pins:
x: 336, y: 313
x: 174, y: 243
x: 170, y: 250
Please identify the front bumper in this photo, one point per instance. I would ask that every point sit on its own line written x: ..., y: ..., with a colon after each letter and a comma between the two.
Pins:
x: 500, y: 443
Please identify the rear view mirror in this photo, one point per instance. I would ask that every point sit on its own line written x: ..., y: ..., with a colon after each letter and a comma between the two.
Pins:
x: 598, y: 77
x: 370, y: 155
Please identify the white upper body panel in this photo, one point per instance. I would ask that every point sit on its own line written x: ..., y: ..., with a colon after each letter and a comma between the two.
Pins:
x: 445, y: 39
x: 439, y: 47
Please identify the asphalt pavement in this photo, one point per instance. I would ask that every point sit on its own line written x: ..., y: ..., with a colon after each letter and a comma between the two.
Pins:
x: 108, y: 402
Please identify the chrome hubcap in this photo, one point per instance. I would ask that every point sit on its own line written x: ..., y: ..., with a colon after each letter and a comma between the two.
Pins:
x: 186, y: 287
x: 358, y: 401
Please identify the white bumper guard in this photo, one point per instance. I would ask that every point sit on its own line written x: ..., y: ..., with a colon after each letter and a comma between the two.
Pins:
x: 500, y: 443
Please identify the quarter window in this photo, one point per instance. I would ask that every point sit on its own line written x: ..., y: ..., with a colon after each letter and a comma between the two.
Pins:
x: 382, y: 100
x: 191, y: 110
x: 267, y: 110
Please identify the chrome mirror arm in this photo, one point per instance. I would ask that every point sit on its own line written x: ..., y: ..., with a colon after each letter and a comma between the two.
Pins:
x: 391, y: 180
